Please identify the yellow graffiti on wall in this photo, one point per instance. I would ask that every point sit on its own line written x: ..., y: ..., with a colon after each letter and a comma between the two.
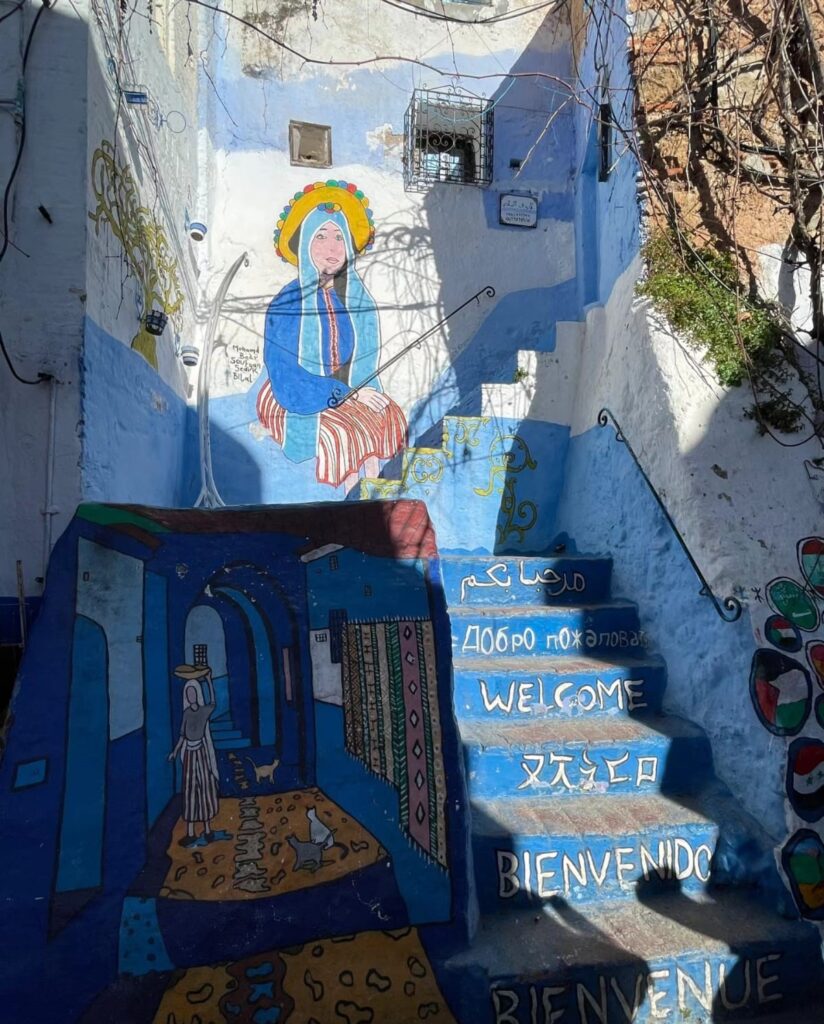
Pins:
x: 145, y: 245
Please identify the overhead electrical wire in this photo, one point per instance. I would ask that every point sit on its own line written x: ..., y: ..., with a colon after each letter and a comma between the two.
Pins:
x: 493, y: 19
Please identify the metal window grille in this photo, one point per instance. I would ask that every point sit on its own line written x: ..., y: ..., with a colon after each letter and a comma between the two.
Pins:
x: 447, y: 137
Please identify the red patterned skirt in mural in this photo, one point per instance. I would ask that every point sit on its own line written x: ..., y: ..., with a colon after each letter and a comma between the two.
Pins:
x: 347, y: 437
x: 199, y: 786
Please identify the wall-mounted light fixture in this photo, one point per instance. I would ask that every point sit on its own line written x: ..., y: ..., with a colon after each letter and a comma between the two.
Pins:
x: 197, y: 230
x: 190, y: 354
x: 155, y: 321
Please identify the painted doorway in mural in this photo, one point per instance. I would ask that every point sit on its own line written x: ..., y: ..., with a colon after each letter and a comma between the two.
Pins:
x: 246, y: 622
x: 80, y: 858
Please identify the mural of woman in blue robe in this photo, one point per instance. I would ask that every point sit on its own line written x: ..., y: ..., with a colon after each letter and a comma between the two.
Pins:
x: 322, y: 338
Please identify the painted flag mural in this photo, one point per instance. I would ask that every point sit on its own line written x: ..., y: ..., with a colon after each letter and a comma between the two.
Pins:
x: 805, y: 778
x: 788, y: 598
x: 803, y: 862
x: 781, y: 691
x: 781, y: 633
x: 811, y: 562
x: 815, y: 657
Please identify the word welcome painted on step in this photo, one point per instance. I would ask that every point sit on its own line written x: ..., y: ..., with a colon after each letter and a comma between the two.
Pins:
x: 552, y: 583
x: 548, y: 771
x: 686, y: 989
x: 553, y: 873
x: 487, y: 640
x: 530, y: 696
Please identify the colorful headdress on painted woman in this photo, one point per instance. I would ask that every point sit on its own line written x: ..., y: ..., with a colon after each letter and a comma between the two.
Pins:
x: 341, y: 196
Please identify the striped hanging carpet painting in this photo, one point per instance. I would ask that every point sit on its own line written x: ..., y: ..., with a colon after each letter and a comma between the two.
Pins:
x: 392, y: 723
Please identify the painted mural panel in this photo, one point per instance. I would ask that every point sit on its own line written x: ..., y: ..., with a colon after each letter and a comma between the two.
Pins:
x: 323, y: 398
x: 224, y: 852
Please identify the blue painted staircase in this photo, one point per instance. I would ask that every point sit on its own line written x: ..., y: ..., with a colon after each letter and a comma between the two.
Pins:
x: 618, y: 880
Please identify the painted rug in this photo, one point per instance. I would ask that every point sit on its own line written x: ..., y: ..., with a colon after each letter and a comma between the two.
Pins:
x: 392, y: 723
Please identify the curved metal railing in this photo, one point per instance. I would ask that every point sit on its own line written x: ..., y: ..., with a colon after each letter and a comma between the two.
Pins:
x: 730, y: 608
x: 340, y: 395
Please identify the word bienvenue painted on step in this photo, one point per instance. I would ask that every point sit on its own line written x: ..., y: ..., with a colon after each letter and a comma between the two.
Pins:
x: 546, y: 771
x: 552, y: 583
x: 529, y: 696
x: 503, y: 640
x: 684, y: 989
x: 556, y: 873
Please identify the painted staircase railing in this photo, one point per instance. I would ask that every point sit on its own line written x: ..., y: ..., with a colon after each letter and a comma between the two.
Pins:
x: 339, y: 395
x: 730, y: 608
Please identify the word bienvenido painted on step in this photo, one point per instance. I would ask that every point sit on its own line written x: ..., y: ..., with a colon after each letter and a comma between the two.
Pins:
x: 553, y: 873
x: 529, y: 696
x: 503, y: 640
x: 735, y: 985
x: 545, y: 771
x: 550, y: 582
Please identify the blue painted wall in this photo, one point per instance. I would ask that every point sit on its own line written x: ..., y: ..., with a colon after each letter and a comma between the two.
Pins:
x: 96, y: 811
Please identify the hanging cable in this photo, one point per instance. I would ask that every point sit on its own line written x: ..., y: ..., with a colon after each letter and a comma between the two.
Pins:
x: 7, y: 196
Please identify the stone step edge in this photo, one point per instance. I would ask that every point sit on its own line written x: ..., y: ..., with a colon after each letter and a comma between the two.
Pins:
x: 592, y: 806
x: 644, y: 728
x: 487, y: 611
x: 639, y: 930
x: 560, y: 665
x: 451, y: 555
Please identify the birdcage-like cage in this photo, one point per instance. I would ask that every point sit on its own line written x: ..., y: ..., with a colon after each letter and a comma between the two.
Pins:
x: 448, y: 138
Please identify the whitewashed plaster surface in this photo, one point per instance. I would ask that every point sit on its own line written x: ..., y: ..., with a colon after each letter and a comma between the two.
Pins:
x: 42, y: 283
x: 741, y: 502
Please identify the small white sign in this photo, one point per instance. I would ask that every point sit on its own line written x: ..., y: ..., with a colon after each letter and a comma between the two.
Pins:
x: 519, y: 211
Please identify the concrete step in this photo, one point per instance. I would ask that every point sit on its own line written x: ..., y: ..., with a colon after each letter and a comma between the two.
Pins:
x: 675, y: 957
x: 552, y: 630
x: 231, y: 744
x: 537, y: 580
x: 566, y: 757
x: 226, y: 733
x: 588, y: 848
x: 523, y: 689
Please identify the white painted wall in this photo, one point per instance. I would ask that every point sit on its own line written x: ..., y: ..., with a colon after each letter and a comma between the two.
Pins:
x: 741, y: 502
x: 432, y: 251
x: 42, y: 293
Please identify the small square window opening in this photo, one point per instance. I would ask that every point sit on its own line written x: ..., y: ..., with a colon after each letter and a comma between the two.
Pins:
x: 310, y: 145
x: 448, y: 138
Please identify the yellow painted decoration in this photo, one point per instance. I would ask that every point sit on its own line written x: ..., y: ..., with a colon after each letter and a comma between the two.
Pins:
x: 146, y: 248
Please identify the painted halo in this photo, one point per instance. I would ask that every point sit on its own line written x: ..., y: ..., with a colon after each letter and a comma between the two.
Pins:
x: 340, y: 195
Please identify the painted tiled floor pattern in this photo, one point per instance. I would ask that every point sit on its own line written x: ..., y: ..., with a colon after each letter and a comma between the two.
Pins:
x: 259, y: 861
x: 353, y: 979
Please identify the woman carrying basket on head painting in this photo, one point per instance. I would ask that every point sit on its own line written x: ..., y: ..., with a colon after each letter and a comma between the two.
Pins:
x: 197, y: 752
x: 322, y: 338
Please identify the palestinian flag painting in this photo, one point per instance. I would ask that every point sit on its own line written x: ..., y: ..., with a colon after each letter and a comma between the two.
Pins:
x: 803, y: 862
x: 781, y: 633
x: 815, y: 657
x: 781, y: 692
x: 811, y: 562
x: 805, y: 778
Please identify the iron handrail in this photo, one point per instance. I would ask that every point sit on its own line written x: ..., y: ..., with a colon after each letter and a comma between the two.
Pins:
x: 731, y: 604
x: 338, y: 397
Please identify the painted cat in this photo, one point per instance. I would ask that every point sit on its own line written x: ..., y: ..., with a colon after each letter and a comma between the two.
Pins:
x: 264, y: 772
x: 308, y: 856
